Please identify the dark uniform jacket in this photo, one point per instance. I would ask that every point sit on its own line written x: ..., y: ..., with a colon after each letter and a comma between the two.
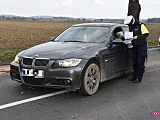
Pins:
x: 141, y: 32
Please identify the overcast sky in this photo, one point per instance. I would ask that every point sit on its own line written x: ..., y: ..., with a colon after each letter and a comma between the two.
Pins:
x: 77, y: 8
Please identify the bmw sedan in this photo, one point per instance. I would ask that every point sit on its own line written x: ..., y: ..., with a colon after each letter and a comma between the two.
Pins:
x: 80, y: 58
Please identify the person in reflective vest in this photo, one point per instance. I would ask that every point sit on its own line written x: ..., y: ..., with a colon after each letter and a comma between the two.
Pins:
x: 139, y: 42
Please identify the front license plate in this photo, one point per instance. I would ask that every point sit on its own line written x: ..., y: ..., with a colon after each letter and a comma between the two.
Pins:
x: 32, y: 73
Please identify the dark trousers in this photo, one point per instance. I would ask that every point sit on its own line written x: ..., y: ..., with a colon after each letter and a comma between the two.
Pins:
x: 139, y: 56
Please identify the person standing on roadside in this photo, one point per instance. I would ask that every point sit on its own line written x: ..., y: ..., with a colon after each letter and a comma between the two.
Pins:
x: 139, y: 42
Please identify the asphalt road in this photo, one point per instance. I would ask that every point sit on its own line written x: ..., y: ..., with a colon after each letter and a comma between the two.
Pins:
x: 117, y: 99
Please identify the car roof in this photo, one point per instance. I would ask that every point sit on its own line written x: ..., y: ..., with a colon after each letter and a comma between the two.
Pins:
x: 99, y: 24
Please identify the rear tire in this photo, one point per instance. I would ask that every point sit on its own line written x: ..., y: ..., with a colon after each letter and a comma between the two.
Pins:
x: 90, y: 80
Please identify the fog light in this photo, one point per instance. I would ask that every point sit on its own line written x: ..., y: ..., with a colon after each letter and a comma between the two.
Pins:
x: 67, y: 82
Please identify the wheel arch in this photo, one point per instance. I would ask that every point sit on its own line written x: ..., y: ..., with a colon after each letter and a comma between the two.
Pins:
x: 95, y: 60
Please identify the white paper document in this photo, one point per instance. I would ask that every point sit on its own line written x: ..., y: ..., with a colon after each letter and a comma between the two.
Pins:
x: 128, y: 35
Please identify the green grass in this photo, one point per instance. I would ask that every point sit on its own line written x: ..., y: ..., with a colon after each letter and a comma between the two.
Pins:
x: 7, y: 56
x: 153, y: 42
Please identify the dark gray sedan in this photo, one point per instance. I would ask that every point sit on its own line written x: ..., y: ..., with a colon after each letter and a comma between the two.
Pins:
x: 80, y: 58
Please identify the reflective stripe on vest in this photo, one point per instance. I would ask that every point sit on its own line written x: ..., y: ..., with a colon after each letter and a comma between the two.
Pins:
x: 144, y: 30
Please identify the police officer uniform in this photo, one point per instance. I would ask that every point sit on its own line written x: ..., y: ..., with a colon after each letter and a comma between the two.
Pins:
x: 139, y: 43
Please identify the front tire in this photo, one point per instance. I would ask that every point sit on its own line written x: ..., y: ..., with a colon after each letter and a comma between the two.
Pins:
x: 91, y: 80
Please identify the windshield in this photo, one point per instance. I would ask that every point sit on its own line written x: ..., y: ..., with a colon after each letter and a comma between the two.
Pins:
x: 83, y: 34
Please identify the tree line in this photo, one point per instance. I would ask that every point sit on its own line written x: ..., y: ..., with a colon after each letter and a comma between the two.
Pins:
x: 149, y: 20
x: 153, y: 20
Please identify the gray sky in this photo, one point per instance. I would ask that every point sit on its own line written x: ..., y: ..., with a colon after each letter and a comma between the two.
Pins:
x: 77, y: 8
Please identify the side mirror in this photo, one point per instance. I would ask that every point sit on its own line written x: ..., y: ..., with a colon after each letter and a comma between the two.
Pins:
x: 52, y: 38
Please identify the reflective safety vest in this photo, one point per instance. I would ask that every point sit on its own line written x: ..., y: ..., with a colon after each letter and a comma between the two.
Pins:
x: 119, y: 35
x: 144, y: 30
x: 139, y: 30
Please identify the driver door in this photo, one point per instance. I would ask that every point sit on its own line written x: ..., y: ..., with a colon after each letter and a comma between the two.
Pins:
x: 118, y: 50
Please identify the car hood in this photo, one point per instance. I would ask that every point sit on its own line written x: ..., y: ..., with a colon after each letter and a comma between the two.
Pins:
x: 62, y: 50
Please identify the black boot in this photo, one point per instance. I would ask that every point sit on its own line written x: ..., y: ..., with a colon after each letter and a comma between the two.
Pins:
x: 136, y: 81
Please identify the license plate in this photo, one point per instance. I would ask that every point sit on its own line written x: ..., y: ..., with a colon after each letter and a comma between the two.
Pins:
x: 32, y: 73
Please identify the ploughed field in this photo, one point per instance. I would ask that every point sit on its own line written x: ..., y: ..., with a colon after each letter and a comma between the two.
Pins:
x: 16, y: 36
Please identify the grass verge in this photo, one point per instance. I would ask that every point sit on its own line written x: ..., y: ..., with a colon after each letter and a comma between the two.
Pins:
x: 7, y: 56
x: 152, y: 42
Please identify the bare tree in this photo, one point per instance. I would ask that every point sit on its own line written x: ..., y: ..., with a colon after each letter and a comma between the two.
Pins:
x: 134, y: 8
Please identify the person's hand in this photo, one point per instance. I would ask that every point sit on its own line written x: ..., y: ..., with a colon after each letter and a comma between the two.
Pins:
x: 135, y: 37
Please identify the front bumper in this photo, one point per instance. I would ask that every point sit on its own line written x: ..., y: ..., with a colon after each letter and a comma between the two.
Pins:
x: 53, y: 77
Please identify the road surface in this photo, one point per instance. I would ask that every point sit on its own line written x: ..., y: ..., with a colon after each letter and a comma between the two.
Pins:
x: 117, y: 99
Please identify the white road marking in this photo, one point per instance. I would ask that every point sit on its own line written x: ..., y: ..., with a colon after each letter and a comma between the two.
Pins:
x: 31, y: 99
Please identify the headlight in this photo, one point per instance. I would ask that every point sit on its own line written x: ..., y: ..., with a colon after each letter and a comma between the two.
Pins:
x: 69, y: 62
x: 16, y: 60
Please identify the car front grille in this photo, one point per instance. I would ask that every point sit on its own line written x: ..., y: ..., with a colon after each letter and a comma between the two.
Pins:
x: 58, y: 82
x: 27, y: 61
x: 33, y: 81
x: 41, y: 62
x: 36, y: 62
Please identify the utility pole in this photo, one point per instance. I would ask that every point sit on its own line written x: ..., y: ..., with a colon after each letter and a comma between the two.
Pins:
x: 134, y: 8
